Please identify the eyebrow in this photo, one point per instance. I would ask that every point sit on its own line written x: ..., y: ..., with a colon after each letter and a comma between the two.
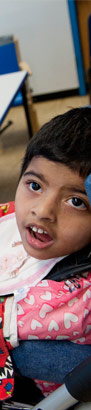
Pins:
x: 76, y: 189
x: 42, y: 178
x: 36, y: 174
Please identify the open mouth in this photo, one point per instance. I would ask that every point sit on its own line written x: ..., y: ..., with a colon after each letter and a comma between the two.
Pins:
x: 38, y: 239
x: 43, y: 237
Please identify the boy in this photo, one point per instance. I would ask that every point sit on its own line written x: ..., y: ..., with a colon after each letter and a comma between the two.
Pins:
x: 53, y: 238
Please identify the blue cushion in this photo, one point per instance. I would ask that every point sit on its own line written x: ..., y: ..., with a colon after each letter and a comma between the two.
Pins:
x: 8, y: 59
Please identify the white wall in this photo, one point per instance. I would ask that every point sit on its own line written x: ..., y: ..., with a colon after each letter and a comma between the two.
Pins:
x: 44, y: 33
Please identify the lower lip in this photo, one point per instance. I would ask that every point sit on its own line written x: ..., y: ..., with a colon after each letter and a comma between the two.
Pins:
x: 35, y: 243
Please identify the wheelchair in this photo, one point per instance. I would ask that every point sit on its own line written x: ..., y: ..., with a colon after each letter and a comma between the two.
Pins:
x: 75, y: 393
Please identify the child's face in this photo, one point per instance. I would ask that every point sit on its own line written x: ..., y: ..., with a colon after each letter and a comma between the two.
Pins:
x: 52, y: 210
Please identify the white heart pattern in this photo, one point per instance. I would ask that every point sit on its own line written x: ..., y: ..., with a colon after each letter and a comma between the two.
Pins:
x: 30, y: 301
x: 53, y: 325
x: 31, y: 337
x: 86, y: 283
x: 43, y: 284
x: 86, y: 311
x: 87, y: 293
x: 81, y: 340
x: 60, y: 304
x: 68, y: 318
x: 48, y: 337
x: 20, y: 311
x: 20, y: 323
x: 88, y: 328
x: 35, y: 323
x: 62, y: 337
x: 47, y: 296
x: 72, y: 301
x: 44, y: 310
x: 60, y: 294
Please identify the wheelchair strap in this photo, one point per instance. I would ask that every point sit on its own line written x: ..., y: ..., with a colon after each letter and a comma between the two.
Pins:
x: 76, y: 264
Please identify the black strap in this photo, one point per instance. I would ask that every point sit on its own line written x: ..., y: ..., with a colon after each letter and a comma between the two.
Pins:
x: 73, y: 265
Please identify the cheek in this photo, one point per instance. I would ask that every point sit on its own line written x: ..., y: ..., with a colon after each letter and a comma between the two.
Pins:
x: 18, y: 206
x: 75, y: 233
x: 22, y: 208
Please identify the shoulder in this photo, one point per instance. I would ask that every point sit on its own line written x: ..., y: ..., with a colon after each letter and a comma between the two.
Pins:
x: 7, y: 208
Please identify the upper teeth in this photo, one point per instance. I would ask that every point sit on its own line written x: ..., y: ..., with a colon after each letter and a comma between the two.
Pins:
x: 38, y: 230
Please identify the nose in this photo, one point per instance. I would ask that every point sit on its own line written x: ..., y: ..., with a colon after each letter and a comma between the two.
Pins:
x: 45, y: 208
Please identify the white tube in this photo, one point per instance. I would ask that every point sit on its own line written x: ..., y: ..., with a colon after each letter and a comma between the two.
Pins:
x: 60, y: 399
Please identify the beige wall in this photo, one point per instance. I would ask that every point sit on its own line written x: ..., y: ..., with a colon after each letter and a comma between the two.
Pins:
x: 45, y: 39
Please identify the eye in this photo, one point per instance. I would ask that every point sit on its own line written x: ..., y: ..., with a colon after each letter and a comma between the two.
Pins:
x: 77, y: 203
x: 34, y: 186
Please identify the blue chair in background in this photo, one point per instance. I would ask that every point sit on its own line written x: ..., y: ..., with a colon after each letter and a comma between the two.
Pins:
x: 9, y: 56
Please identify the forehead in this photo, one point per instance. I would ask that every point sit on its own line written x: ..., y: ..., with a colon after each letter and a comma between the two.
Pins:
x: 53, y: 172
